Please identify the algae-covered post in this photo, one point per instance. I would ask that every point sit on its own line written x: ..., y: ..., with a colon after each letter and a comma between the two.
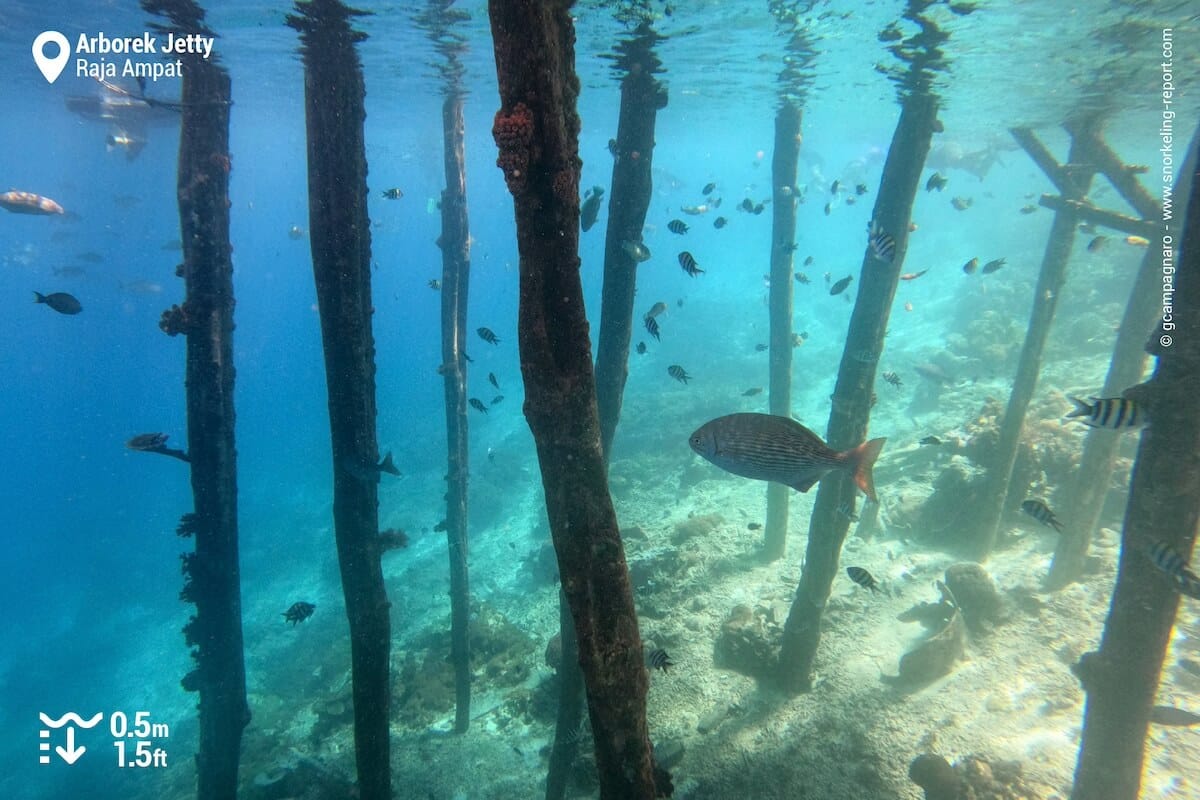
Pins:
x: 537, y: 132
x: 1121, y: 679
x: 850, y: 415
x: 341, y: 251
x: 1073, y: 185
x: 212, y: 572
x: 1090, y: 484
x: 455, y: 243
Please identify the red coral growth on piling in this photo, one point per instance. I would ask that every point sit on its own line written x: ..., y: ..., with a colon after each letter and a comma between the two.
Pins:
x: 513, y: 132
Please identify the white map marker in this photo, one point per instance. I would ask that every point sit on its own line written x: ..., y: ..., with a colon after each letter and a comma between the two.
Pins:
x: 51, y: 67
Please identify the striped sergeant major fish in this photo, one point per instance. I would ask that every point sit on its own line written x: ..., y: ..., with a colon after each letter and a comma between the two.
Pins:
x: 1113, y: 413
x: 1175, y: 566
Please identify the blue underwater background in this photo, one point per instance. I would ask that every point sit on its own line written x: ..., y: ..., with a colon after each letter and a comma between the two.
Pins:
x: 90, y: 578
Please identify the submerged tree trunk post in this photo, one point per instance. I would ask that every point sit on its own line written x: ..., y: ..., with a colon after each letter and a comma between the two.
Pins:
x: 1074, y: 186
x: 1081, y: 511
x: 537, y: 132
x: 212, y: 572
x: 341, y: 252
x: 641, y: 98
x: 783, y: 234
x: 1121, y: 679
x: 456, y: 268
x: 852, y: 395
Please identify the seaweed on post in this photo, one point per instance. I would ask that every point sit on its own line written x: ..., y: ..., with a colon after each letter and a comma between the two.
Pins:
x: 1121, y: 678
x: 438, y: 20
x: 339, y: 230
x: 794, y: 81
x: 212, y: 577
x: 537, y: 134
x: 880, y: 276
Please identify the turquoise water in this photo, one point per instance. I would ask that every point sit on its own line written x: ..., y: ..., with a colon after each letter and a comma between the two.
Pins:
x: 90, y: 581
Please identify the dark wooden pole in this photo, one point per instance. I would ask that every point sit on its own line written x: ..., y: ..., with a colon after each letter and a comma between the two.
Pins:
x: 1080, y: 511
x: 1121, y: 679
x: 340, y: 234
x: 995, y: 498
x: 212, y: 572
x: 537, y: 132
x: 642, y: 95
x: 783, y: 233
x: 456, y: 269
x: 851, y: 411
x: 571, y: 696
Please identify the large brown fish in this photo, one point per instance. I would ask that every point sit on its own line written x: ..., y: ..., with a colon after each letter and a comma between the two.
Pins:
x: 773, y: 448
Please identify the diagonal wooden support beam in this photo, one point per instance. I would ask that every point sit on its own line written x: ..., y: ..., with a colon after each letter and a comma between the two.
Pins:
x: 1099, y: 216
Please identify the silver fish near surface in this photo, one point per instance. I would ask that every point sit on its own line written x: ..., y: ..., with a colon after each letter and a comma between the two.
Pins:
x: 767, y: 447
x: 1112, y: 413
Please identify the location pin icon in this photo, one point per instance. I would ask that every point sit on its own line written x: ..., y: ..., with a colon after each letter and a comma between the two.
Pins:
x: 51, y: 67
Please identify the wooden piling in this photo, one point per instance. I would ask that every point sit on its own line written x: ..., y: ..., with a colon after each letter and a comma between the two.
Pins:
x: 340, y: 236
x: 1121, y: 679
x: 1084, y: 501
x: 852, y: 396
x: 537, y: 132
x: 788, y: 119
x: 642, y: 95
x: 212, y: 571
x: 456, y: 270
x: 1074, y: 185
